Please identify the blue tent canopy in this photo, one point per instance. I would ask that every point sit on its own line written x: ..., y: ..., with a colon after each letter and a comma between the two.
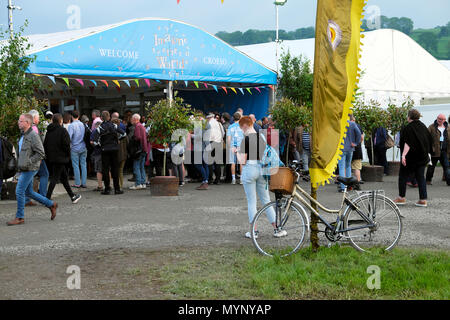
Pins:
x: 154, y: 49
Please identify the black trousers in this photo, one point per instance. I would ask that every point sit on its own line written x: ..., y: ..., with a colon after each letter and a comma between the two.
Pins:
x: 158, y: 159
x: 443, y: 159
x: 380, y: 157
x: 110, y: 162
x: 405, y: 174
x: 58, y: 173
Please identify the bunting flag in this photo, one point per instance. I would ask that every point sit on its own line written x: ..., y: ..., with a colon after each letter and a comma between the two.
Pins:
x: 66, y: 81
x: 196, y: 84
x: 234, y: 90
x: 127, y: 82
x: 215, y: 87
x: 250, y: 91
x: 206, y: 85
x: 147, y: 81
x: 117, y: 83
x: 271, y: 86
x: 137, y: 82
x: 105, y: 82
x: 225, y: 89
x: 186, y: 83
x: 52, y: 78
x: 94, y: 82
x: 80, y: 82
x: 242, y: 91
x: 337, y: 53
x: 258, y: 89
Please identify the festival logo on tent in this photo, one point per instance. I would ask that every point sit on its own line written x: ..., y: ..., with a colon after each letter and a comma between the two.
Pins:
x: 334, y: 34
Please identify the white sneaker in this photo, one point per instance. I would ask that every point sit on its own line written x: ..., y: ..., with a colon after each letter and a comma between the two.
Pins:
x: 249, y: 235
x: 233, y: 181
x: 143, y: 186
x: 279, y: 233
x: 139, y: 187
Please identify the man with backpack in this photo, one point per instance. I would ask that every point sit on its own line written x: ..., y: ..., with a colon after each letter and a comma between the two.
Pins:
x: 107, y: 136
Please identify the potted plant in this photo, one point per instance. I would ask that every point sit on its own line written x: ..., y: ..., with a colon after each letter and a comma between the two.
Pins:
x: 164, y: 118
x: 288, y: 115
x: 398, y: 118
x: 370, y: 116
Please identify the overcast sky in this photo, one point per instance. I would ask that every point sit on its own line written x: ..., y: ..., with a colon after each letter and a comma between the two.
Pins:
x: 47, y: 16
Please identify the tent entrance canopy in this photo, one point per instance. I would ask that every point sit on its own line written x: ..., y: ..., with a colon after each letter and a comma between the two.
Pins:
x: 146, y: 49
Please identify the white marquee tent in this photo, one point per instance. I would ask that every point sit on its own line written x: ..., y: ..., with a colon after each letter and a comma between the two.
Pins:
x: 394, y: 65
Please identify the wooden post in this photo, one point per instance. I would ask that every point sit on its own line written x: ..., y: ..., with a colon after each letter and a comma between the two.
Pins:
x: 314, y: 236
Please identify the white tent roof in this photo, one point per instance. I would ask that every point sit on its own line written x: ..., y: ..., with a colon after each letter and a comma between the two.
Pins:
x: 446, y: 63
x: 393, y: 65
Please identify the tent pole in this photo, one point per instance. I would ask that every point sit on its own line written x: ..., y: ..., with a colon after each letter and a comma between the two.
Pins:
x: 170, y: 92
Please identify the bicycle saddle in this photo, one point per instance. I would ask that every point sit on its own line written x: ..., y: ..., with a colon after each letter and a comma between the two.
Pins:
x: 349, y: 182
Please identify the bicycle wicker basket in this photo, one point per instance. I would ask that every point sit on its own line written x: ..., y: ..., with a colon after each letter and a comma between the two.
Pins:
x: 282, y: 180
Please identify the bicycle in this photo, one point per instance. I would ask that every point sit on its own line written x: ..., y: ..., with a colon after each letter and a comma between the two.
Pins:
x: 368, y: 220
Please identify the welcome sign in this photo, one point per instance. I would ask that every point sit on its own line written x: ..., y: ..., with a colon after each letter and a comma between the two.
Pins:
x: 155, y: 49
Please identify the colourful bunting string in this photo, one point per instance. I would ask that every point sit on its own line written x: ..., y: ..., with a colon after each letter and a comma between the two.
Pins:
x: 105, y: 82
x: 258, y: 89
x: 137, y: 82
x: 234, y: 90
x: 52, y: 78
x: 80, y: 82
x: 94, y: 82
x: 242, y: 91
x: 66, y: 81
x: 196, y: 84
x: 116, y: 83
x: 127, y: 82
x: 248, y: 89
x: 215, y: 88
x: 186, y: 83
x: 206, y: 85
x: 225, y: 89
x: 147, y: 81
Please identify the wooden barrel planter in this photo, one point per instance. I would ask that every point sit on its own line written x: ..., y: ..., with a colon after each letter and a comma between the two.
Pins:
x: 372, y: 173
x: 394, y: 168
x: 164, y: 186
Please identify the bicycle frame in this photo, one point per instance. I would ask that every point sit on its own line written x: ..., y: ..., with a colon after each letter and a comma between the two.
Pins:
x: 298, y: 194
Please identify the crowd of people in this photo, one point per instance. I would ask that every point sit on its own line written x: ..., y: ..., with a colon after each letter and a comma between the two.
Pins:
x: 107, y: 145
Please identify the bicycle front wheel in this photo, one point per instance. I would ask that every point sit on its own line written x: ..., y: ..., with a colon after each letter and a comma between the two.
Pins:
x: 385, y: 216
x: 291, y: 229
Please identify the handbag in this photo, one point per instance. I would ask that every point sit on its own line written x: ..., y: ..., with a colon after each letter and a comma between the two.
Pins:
x: 389, y: 143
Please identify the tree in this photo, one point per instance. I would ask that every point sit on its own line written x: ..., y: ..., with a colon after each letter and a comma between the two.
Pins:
x: 429, y: 41
x: 369, y: 116
x: 296, y: 81
x: 16, y: 88
x: 398, y: 116
x: 288, y: 115
x: 164, y: 119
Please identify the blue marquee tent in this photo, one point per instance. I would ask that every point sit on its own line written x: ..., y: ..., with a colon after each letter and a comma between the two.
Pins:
x: 161, y: 50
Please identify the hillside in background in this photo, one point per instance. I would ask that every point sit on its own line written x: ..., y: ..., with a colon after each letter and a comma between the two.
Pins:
x: 436, y: 41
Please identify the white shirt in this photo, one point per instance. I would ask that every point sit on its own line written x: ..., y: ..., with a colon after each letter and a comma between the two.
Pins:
x: 442, y: 133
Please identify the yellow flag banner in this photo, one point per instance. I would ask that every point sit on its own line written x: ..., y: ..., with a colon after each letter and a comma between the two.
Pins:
x: 336, y: 73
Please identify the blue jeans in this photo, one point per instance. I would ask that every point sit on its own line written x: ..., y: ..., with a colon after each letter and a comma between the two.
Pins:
x: 139, y: 169
x: 43, y: 180
x: 25, y: 188
x: 255, y: 184
x: 345, y: 166
x: 204, y: 170
x: 79, y: 159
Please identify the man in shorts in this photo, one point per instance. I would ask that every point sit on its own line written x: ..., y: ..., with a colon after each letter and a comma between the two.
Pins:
x: 234, y: 139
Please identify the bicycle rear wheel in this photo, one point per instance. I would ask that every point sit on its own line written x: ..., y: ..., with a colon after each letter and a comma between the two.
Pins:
x: 386, y: 217
x: 293, y: 221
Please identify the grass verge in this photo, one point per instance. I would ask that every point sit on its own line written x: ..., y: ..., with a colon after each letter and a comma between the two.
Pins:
x: 331, y: 273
